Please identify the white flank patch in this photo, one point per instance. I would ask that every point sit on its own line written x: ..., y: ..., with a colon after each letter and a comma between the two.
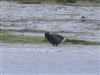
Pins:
x: 63, y: 40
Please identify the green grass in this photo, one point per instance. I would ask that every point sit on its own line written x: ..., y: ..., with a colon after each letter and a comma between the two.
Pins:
x: 82, y: 42
x: 10, y: 38
x: 23, y: 30
x: 28, y: 1
x: 48, y: 1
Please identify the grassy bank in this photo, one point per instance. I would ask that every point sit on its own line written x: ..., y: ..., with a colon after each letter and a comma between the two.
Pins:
x: 30, y: 1
x: 10, y: 38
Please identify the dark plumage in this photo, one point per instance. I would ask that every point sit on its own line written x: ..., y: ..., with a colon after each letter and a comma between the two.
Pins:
x: 54, y: 39
x: 83, y: 18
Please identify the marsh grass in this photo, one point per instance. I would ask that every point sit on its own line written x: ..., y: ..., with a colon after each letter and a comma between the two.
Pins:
x: 82, y: 42
x: 27, y: 1
x: 22, y: 30
x: 67, y: 2
x: 10, y: 38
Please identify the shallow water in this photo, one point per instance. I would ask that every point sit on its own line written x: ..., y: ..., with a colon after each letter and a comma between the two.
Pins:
x: 35, y: 59
x: 52, y: 17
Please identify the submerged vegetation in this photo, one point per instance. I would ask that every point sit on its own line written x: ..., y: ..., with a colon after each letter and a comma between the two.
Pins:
x: 48, y: 1
x: 10, y: 38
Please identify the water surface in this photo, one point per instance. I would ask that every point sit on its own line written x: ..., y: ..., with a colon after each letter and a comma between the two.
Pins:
x: 46, y: 59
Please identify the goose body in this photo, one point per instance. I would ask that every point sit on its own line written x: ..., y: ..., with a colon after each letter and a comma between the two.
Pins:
x: 54, y: 39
